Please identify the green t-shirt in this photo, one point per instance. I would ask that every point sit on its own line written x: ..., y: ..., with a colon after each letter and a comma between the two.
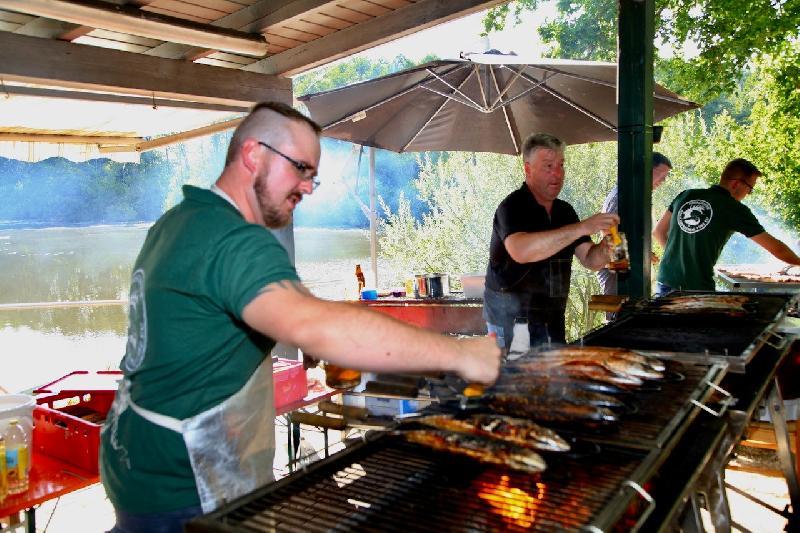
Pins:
x: 702, y: 222
x: 188, y: 347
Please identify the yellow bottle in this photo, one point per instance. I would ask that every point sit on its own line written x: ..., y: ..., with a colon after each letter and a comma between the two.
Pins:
x: 3, y: 470
x: 16, y: 457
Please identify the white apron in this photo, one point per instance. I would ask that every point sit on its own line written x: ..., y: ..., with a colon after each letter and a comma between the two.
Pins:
x: 231, y: 446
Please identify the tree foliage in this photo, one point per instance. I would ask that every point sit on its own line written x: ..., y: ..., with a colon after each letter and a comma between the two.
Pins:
x: 713, y: 40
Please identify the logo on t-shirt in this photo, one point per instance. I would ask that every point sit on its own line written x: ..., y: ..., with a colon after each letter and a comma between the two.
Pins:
x: 694, y: 215
x: 137, y: 329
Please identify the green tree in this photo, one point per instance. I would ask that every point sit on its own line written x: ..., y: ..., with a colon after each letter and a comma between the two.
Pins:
x: 725, y: 33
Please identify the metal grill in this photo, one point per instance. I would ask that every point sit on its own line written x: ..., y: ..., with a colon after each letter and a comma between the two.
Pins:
x: 663, y: 412
x: 696, y: 336
x: 391, y: 485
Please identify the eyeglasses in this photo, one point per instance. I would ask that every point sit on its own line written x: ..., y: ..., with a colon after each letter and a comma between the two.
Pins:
x: 749, y: 187
x: 307, y: 172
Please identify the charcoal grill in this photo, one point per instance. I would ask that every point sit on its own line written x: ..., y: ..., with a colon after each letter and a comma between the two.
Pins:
x: 700, y: 336
x: 745, y: 284
x: 387, y: 484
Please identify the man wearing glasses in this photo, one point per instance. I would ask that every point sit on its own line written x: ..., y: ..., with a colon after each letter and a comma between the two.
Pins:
x: 699, y: 222
x: 192, y: 425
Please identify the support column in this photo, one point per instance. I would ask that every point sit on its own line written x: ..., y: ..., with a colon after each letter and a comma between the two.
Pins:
x: 635, y: 139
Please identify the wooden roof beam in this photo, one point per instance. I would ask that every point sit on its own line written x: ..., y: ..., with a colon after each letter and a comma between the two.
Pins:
x: 123, y: 19
x: 74, y: 66
x: 399, y: 23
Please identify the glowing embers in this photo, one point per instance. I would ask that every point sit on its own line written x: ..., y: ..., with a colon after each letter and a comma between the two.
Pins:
x: 514, y: 505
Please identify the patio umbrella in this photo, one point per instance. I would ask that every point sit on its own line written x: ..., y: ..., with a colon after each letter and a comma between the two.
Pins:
x: 481, y: 103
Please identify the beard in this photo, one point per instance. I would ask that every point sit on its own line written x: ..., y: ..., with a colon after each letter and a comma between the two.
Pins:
x: 275, y: 215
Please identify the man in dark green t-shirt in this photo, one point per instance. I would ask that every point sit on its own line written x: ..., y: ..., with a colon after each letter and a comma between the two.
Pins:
x: 192, y: 425
x: 699, y: 222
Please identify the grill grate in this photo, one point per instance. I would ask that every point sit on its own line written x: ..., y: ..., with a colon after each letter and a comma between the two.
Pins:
x: 661, y: 410
x: 391, y: 485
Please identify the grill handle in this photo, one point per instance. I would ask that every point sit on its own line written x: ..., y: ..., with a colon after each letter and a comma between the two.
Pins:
x: 726, y: 402
x: 780, y: 344
x: 651, y: 503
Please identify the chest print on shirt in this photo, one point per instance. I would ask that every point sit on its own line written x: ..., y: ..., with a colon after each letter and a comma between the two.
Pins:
x: 137, y: 330
x: 694, y: 216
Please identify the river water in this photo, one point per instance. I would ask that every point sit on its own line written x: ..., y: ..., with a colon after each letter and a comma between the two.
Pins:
x: 94, y: 263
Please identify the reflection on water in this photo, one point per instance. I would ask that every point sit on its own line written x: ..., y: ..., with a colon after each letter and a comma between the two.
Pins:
x: 95, y: 263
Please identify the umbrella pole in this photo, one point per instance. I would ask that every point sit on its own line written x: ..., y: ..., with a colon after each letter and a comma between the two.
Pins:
x: 373, y: 232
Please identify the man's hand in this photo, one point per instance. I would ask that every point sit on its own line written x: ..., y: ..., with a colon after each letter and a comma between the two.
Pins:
x: 598, y: 223
x: 479, y: 360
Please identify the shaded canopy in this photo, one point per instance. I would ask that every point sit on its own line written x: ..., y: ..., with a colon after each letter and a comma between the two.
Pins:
x: 481, y: 103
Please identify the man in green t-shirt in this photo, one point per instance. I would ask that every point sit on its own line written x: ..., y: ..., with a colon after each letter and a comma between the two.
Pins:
x: 212, y: 291
x: 699, y: 222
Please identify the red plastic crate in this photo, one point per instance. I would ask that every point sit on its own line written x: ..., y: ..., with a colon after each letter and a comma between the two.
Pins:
x: 67, y: 426
x: 289, y: 379
x: 71, y: 409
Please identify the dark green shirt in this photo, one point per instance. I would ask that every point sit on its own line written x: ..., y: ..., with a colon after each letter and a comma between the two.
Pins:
x: 188, y: 347
x: 702, y: 222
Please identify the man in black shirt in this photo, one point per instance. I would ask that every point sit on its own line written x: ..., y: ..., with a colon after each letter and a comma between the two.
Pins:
x: 534, y: 236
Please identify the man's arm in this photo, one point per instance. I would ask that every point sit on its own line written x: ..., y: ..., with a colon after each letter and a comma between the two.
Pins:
x: 593, y: 256
x: 777, y: 248
x: 353, y: 336
x: 662, y: 228
x: 527, y: 247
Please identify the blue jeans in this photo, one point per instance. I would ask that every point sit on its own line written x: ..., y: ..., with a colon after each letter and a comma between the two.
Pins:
x: 500, y: 309
x: 169, y: 522
x: 662, y: 289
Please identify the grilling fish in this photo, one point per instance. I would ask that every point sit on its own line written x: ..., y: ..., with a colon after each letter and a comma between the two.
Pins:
x: 481, y: 448
x: 511, y: 377
x: 552, y: 411
x: 575, y: 396
x: 730, y: 303
x: 583, y: 368
x: 517, y: 431
x: 604, y: 352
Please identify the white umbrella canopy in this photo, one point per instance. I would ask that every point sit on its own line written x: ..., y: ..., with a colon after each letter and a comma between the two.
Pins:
x: 481, y: 103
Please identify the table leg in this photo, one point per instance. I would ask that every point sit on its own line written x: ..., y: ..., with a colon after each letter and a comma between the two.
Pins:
x: 787, y: 459
x: 30, y: 520
x: 289, y: 442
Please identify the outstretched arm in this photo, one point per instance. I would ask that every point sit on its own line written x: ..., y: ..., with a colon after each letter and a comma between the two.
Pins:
x: 527, y: 247
x: 662, y: 228
x: 777, y: 248
x: 593, y: 256
x: 354, y: 336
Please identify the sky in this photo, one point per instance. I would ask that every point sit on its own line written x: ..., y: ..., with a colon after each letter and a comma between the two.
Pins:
x: 449, y: 39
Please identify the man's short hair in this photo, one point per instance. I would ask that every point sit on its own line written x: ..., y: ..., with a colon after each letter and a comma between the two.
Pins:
x: 540, y: 140
x: 661, y: 159
x: 247, y: 126
x: 739, y: 169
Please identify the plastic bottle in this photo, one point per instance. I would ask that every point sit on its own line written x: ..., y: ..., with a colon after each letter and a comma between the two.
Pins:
x: 3, y: 470
x: 17, y: 457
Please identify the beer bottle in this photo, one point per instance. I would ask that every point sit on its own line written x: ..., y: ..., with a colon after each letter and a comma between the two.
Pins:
x: 362, y: 282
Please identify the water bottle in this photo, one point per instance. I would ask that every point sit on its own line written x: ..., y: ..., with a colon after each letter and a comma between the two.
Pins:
x: 3, y: 470
x: 17, y: 457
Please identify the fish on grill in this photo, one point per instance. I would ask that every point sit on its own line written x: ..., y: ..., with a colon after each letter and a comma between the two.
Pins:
x: 719, y: 303
x: 483, y: 449
x: 513, y: 376
x: 583, y: 368
x: 521, y: 432
x: 560, y: 394
x: 597, y: 353
x: 548, y: 410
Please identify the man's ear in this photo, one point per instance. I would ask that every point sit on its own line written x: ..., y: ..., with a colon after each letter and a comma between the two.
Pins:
x: 248, y: 155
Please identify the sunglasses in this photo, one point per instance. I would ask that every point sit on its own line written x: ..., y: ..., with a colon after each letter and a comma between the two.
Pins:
x: 307, y: 172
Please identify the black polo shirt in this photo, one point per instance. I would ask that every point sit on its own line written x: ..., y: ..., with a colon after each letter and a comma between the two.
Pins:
x: 520, y: 212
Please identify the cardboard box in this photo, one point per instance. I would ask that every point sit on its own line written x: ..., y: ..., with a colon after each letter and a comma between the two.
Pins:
x: 393, y: 407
